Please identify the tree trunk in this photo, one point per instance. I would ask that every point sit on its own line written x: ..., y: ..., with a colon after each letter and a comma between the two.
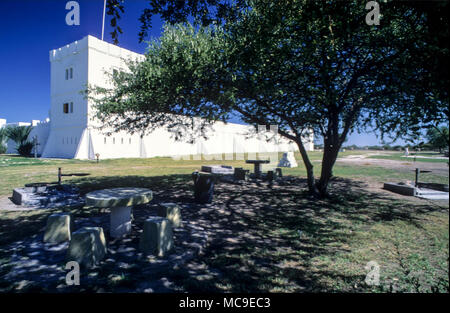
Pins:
x: 330, y: 154
x: 309, y: 170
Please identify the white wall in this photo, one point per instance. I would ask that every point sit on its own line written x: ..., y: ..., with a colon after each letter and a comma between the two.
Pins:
x: 66, y: 129
x: 11, y: 145
x: 40, y: 129
x: 75, y: 135
x: 223, y: 138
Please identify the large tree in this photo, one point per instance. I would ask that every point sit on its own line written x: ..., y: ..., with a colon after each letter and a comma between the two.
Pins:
x: 300, y: 65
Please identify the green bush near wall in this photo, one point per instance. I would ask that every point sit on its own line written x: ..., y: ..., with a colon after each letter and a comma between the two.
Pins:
x: 25, y: 148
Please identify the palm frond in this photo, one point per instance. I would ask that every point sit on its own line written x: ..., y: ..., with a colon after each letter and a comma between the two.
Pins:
x: 18, y: 134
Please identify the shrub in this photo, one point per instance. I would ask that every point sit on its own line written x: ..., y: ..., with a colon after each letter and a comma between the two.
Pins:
x: 25, y: 148
x: 18, y: 134
x: 3, y: 137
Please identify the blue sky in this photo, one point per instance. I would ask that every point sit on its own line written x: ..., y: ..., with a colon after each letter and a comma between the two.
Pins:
x: 29, y: 29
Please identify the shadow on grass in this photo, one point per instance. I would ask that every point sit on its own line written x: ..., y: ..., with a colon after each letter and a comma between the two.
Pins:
x: 261, y: 239
x: 254, y: 229
x: 264, y: 239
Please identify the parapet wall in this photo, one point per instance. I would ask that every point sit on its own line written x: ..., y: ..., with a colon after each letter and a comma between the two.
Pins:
x: 92, y: 43
x: 41, y: 130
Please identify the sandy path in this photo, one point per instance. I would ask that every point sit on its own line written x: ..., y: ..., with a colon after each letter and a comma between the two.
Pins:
x: 439, y: 168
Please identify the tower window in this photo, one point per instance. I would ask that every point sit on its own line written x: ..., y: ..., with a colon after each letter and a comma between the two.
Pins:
x: 69, y: 73
x: 104, y: 140
x: 129, y: 141
x: 121, y: 140
x: 68, y: 107
x: 114, y: 140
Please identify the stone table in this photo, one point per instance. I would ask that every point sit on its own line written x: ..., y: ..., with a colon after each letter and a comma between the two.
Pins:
x: 257, y: 165
x: 120, y: 201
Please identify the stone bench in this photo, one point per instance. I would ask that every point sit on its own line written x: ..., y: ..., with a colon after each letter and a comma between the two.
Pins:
x: 172, y: 212
x: 87, y: 246
x: 46, y: 195
x: 403, y: 189
x: 218, y: 169
x: 157, y: 236
x: 58, y: 228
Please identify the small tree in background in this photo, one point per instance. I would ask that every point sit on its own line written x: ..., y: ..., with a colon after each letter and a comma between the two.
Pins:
x: 19, y: 134
x: 438, y: 138
x: 3, y: 137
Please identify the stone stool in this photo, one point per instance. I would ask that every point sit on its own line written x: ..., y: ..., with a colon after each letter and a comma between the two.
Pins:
x: 87, y: 247
x: 279, y: 172
x: 58, y: 228
x: 157, y: 236
x: 171, y: 211
x: 203, y: 187
x: 241, y: 174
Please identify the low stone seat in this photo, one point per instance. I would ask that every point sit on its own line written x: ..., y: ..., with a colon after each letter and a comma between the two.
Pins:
x: 241, y: 174
x: 87, y: 247
x: 58, y: 228
x: 274, y: 174
x: 172, y: 212
x: 157, y: 236
x: 203, y: 187
x: 278, y: 172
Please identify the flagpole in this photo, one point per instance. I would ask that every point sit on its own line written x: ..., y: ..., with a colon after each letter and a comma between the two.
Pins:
x: 103, y: 24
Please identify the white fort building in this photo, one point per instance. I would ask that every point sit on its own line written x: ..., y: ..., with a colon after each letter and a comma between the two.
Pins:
x: 71, y: 132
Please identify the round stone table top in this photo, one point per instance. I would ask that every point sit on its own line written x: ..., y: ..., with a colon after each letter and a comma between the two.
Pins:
x: 119, y: 197
x: 257, y: 161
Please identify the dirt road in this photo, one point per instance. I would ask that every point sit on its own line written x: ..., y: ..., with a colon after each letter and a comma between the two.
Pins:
x: 439, y: 168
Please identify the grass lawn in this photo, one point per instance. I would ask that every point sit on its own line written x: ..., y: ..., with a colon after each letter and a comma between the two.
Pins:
x: 16, y: 171
x: 421, y: 157
x: 263, y: 239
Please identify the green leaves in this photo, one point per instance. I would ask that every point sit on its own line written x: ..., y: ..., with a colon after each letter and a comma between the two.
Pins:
x: 18, y: 134
x: 438, y: 137
x: 298, y: 64
x: 3, y: 138
x: 114, y: 9
x: 175, y: 84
